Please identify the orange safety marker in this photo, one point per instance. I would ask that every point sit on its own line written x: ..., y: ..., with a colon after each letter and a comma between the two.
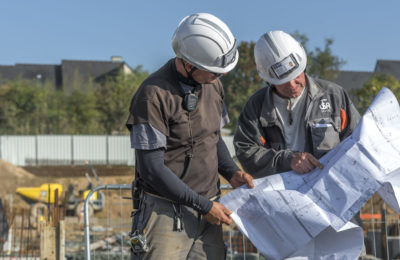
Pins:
x: 370, y: 216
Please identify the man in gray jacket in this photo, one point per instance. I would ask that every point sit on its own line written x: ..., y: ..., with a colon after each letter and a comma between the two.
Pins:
x: 296, y: 119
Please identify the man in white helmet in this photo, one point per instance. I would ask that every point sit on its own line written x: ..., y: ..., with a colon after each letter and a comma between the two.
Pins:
x: 175, y: 120
x: 296, y: 119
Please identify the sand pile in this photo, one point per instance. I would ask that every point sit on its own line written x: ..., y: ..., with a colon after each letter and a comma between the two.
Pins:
x: 12, y: 177
x: 7, y: 169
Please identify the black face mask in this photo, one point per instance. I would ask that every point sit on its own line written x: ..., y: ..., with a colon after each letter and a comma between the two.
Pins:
x: 189, y: 80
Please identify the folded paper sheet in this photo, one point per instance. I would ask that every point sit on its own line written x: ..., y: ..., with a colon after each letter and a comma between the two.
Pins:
x: 292, y: 215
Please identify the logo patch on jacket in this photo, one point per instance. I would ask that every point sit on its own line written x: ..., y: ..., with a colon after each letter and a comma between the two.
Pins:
x: 325, y: 106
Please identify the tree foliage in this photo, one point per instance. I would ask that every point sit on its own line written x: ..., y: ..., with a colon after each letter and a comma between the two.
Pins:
x: 371, y: 88
x: 321, y: 63
x: 113, y: 99
x: 241, y: 82
x: 28, y: 107
x: 31, y: 108
x: 22, y: 107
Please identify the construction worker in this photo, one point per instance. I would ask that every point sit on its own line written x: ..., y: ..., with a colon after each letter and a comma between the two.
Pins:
x: 295, y: 119
x: 175, y: 120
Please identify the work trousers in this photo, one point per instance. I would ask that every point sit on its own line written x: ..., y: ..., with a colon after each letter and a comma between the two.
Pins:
x: 197, y: 240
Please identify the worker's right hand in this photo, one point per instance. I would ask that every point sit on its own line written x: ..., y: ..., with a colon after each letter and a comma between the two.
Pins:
x: 218, y: 214
x: 304, y: 162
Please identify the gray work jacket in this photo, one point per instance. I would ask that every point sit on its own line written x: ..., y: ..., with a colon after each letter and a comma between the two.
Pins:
x: 330, y: 117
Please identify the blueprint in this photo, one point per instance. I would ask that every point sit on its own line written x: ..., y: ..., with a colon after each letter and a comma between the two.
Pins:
x: 291, y: 215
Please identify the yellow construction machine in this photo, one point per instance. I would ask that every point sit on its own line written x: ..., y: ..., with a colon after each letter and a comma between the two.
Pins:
x: 43, y: 196
x: 46, y: 193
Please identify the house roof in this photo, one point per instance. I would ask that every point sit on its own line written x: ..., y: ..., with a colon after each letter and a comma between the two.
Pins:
x: 93, y: 68
x: 7, y: 72
x: 352, y: 79
x: 38, y: 72
x: 65, y: 75
x: 389, y: 67
x: 86, y: 70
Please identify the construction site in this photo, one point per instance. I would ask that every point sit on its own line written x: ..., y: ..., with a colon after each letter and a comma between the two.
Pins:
x: 50, y: 224
x: 50, y: 213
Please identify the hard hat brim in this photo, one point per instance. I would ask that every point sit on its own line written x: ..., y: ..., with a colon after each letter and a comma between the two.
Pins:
x: 217, y: 69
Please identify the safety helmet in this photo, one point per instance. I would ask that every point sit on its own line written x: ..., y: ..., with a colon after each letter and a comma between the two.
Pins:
x: 279, y: 57
x: 206, y: 42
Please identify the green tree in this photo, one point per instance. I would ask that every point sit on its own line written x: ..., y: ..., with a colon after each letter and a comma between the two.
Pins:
x: 370, y: 89
x: 19, y: 101
x: 83, y: 116
x: 113, y: 99
x: 321, y: 63
x: 55, y: 112
x: 29, y: 107
x: 4, y: 105
x: 241, y: 82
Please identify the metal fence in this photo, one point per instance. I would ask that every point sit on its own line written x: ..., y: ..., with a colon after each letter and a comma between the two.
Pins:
x: 43, y: 150
x: 104, y: 234
x: 380, y: 223
x: 239, y: 247
x: 21, y: 234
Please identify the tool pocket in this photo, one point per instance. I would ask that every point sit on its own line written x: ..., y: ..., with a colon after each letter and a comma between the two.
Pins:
x: 325, y: 135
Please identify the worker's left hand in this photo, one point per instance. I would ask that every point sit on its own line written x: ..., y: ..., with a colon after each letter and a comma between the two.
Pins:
x: 239, y: 178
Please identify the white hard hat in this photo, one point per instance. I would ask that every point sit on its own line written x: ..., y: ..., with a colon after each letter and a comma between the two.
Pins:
x: 206, y: 42
x: 279, y: 57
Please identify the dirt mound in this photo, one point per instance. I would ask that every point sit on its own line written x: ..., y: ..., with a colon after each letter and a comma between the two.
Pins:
x: 12, y: 176
x: 8, y: 170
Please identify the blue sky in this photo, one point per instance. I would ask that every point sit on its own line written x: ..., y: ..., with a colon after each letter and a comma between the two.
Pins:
x: 45, y: 32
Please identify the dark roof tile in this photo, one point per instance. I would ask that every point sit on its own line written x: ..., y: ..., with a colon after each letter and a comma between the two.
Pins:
x: 64, y: 74
x: 389, y: 67
x: 86, y: 70
x: 352, y: 79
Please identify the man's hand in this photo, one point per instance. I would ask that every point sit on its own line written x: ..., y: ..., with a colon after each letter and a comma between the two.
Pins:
x: 239, y: 178
x: 304, y: 162
x: 218, y: 214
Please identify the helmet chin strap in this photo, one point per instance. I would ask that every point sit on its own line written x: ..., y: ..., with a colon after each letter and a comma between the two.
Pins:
x: 189, y: 80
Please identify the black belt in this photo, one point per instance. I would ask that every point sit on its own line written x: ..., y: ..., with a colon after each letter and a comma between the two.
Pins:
x: 215, y: 198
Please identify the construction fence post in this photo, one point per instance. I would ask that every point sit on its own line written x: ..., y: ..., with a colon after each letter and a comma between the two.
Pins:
x: 52, y: 241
